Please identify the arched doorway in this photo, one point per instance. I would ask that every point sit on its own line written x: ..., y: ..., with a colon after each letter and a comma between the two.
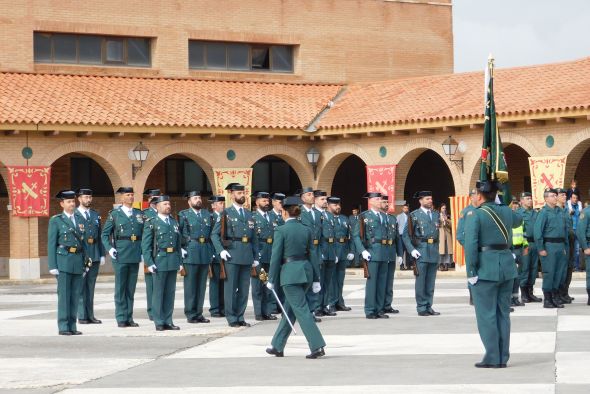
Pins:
x: 429, y: 171
x: 4, y: 223
x: 581, y: 176
x: 350, y: 183
x: 175, y: 175
x: 273, y: 174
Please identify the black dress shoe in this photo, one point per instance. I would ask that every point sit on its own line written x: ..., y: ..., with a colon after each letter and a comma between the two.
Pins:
x: 511, y: 310
x: 432, y: 312
x: 319, y: 313
x: 269, y: 317
x: 423, y: 313
x: 131, y: 323
x: 84, y: 321
x: 501, y: 365
x: 68, y: 333
x: 159, y: 328
x: 171, y: 327
x: 328, y: 312
x: 95, y: 321
x: 76, y: 332
x: 372, y: 316
x: 200, y: 319
x: 484, y: 365
x: 258, y: 318
x: 316, y: 354
x: 216, y: 315
x: 244, y: 324
x: 151, y: 318
x: 122, y: 324
x: 390, y: 310
x: 274, y: 352
x: 317, y: 319
x: 382, y: 316
x: 234, y: 325
x: 343, y: 308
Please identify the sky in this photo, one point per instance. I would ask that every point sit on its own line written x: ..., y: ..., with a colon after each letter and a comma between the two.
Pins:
x: 519, y: 32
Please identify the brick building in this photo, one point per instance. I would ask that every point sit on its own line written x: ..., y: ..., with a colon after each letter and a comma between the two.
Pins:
x: 220, y: 84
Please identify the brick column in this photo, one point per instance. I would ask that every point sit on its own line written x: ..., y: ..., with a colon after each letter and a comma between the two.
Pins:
x: 24, y: 262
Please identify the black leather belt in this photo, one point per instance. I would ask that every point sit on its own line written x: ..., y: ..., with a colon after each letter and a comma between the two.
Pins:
x: 239, y: 239
x: 266, y: 240
x: 493, y: 247
x: 72, y: 249
x: 554, y: 240
x: 168, y: 250
x: 342, y: 240
x: 200, y: 240
x: 379, y: 241
x: 290, y: 259
x: 427, y: 240
x: 131, y: 238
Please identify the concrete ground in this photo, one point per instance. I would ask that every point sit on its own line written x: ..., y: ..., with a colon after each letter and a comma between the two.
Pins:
x: 550, y: 349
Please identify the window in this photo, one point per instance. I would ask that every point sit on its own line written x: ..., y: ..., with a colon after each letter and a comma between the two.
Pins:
x: 88, y: 173
x: 89, y: 49
x: 183, y: 175
x: 274, y: 174
x: 233, y: 56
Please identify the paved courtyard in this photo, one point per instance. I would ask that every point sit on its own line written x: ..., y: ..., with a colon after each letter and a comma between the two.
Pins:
x: 406, y: 353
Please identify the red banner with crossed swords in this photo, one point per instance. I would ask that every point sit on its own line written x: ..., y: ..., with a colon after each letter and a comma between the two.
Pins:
x: 29, y: 190
x: 546, y: 172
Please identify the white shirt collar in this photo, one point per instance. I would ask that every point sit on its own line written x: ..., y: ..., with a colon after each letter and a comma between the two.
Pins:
x: 318, y: 208
x: 82, y: 210
x: 163, y: 217
x: 289, y: 219
x: 195, y: 211
x: 262, y: 212
x: 276, y: 213
x: 376, y: 212
x: 237, y: 207
x: 308, y: 209
x: 426, y: 211
x: 68, y: 215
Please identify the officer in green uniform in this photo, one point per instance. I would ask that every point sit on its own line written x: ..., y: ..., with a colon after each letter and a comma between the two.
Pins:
x: 291, y: 269
x: 148, y: 213
x: 425, y: 222
x: 237, y: 247
x: 121, y: 236
x: 566, y: 272
x: 277, y: 220
x: 195, y: 225
x: 161, y: 247
x: 491, y: 272
x: 583, y: 235
x: 89, y: 223
x: 65, y: 258
x: 343, y: 254
x: 311, y: 218
x: 550, y: 236
x: 327, y: 251
x: 394, y: 251
x: 372, y: 242
x: 528, y: 274
x: 352, y: 221
x: 460, y: 233
x: 216, y: 301
x: 261, y: 296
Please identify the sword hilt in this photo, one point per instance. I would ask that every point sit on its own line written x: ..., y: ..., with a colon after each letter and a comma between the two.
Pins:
x: 263, y: 276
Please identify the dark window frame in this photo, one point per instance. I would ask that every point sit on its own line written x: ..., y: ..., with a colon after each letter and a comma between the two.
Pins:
x: 92, y: 168
x: 181, y: 176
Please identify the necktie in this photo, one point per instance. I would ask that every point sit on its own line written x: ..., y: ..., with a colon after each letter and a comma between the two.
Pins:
x: 430, y: 214
x: 167, y: 220
x: 312, y: 214
x: 73, y: 221
x: 198, y: 214
x: 86, y: 215
x: 242, y: 213
x: 266, y: 217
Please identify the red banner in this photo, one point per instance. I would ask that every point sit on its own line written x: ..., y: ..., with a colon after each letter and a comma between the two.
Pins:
x: 29, y: 190
x: 382, y: 179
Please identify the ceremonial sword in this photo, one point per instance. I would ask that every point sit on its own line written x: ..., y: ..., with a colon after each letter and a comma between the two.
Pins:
x: 264, y: 279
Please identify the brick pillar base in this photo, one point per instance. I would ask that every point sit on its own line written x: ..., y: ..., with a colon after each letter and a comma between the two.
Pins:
x: 24, y: 263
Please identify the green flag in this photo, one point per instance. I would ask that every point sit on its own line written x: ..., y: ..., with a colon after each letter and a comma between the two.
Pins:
x: 493, y: 162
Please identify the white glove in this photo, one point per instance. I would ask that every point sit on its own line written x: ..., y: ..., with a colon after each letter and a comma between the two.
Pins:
x: 183, y: 252
x: 102, y: 260
x: 152, y: 268
x: 513, y: 256
x: 399, y: 260
x: 180, y: 267
x: 350, y: 256
x: 256, y: 263
x: 323, y: 258
x: 113, y: 253
x: 54, y: 271
x: 336, y: 261
x: 225, y: 255
x: 316, y: 287
x: 270, y: 286
x: 473, y: 280
x: 366, y: 255
x: 416, y: 254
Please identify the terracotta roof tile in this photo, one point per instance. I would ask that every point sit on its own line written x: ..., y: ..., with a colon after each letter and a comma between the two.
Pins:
x: 523, y: 90
x: 118, y: 101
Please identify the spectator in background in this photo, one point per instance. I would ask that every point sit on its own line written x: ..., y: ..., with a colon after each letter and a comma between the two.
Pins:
x: 402, y: 221
x: 445, y: 238
x: 573, y: 189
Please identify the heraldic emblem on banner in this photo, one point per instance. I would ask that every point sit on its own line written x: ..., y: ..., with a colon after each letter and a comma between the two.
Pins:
x: 29, y: 190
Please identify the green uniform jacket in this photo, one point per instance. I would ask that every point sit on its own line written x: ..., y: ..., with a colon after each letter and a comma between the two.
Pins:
x: 528, y: 217
x: 243, y: 253
x: 314, y: 223
x: 395, y: 248
x: 481, y: 230
x: 550, y: 223
x: 328, y: 238
x: 157, y: 237
x: 149, y: 213
x: 276, y: 219
x: 291, y: 239
x: 116, y: 233
x: 583, y: 228
x: 61, y: 235
x: 196, y: 235
x: 214, y: 216
x: 265, y: 233
x: 91, y: 230
x: 461, y: 224
x: 342, y: 234
x: 424, y: 228
x: 375, y: 233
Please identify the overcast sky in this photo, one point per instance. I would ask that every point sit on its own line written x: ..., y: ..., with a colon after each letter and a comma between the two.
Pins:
x: 519, y: 32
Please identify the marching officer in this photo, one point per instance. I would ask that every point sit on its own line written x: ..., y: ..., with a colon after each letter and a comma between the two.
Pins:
x: 195, y: 224
x: 234, y: 240
x: 66, y: 261
x: 491, y: 272
x: 328, y: 253
x: 311, y: 218
x: 148, y: 213
x: 261, y: 296
x: 394, y: 252
x: 550, y: 236
x: 528, y: 274
x: 216, y: 282
x: 89, y: 220
x: 290, y: 267
x: 583, y: 235
x: 161, y: 246
x: 423, y: 246
x: 343, y: 254
x: 370, y: 237
x: 121, y: 236
x: 276, y: 215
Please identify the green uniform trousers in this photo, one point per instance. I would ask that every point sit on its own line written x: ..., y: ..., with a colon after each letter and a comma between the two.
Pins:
x: 149, y: 292
x: 216, y: 303
x: 587, y: 259
x: 375, y: 288
x: 125, y: 282
x: 528, y: 274
x: 554, y: 265
x: 68, y: 296
x: 337, y: 286
x: 297, y: 309
x: 492, y: 311
x: 327, y: 277
x: 163, y: 296
x: 236, y: 291
x: 425, y: 285
x: 195, y: 285
x: 388, y: 300
x: 86, y: 307
x: 519, y: 269
x: 261, y: 296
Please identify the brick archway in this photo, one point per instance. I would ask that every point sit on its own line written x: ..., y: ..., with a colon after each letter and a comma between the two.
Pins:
x: 578, y: 157
x: 294, y: 157
x: 332, y: 157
